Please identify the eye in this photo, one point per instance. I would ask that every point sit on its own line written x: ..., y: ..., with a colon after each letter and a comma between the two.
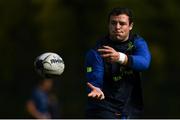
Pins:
x: 113, y: 22
x: 122, y: 23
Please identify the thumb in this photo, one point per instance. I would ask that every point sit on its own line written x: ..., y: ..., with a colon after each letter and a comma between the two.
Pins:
x: 90, y: 85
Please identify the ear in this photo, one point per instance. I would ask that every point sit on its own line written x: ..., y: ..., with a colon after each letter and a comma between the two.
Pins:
x: 131, y: 26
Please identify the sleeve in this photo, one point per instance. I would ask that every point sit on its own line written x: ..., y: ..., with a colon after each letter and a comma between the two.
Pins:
x: 34, y: 96
x: 94, y: 68
x: 141, y: 58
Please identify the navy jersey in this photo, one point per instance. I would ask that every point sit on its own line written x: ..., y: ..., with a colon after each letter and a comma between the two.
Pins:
x: 120, y: 84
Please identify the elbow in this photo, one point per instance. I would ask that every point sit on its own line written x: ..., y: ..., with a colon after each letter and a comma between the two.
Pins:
x: 141, y: 64
x: 145, y: 66
x: 145, y: 63
x: 30, y: 107
x: 140, y: 67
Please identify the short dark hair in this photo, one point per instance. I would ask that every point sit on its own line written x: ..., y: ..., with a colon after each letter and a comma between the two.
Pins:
x: 121, y: 10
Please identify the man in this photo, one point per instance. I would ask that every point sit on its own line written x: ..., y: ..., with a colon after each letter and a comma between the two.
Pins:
x: 113, y: 70
x: 42, y: 105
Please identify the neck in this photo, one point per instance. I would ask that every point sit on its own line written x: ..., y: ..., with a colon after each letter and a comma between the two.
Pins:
x: 119, y: 40
x: 42, y: 88
x: 125, y: 39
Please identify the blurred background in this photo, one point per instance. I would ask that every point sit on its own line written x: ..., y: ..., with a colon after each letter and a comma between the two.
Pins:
x: 29, y: 28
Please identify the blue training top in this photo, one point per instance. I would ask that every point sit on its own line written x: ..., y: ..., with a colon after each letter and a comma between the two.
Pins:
x: 140, y: 61
x: 121, y: 84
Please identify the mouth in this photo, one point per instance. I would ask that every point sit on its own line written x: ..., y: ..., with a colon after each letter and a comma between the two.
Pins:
x: 118, y: 32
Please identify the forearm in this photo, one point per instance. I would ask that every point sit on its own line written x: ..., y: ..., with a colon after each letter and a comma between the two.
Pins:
x: 136, y: 62
x: 94, y: 68
x: 95, y: 78
x: 140, y: 59
x: 34, y: 112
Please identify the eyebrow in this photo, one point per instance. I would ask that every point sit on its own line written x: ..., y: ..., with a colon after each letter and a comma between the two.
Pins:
x: 118, y: 21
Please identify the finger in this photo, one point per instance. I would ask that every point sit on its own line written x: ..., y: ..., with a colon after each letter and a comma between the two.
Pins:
x: 91, y: 94
x: 90, y: 85
x: 94, y: 95
x: 99, y: 96
x: 102, y: 96
x: 106, y: 55
x: 104, y: 50
x: 108, y: 47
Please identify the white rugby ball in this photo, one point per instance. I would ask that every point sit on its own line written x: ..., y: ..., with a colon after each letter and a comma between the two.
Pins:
x: 49, y: 63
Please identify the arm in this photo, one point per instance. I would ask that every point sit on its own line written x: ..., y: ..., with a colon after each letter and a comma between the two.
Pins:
x: 140, y: 59
x: 31, y: 108
x: 94, y: 68
x: 94, y: 74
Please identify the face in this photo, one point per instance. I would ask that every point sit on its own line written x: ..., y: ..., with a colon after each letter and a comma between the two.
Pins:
x: 47, y: 84
x: 119, y: 27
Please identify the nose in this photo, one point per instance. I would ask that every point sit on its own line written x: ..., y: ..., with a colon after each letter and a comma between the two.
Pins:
x: 118, y: 26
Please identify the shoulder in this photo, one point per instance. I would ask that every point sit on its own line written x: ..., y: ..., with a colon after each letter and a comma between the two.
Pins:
x: 37, y: 93
x: 92, y: 53
x: 93, y: 58
x: 139, y: 41
x: 137, y: 37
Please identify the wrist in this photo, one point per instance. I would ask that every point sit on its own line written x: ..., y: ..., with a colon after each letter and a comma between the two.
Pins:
x: 122, y: 58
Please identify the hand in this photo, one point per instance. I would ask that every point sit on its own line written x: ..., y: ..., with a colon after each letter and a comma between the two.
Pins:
x: 95, y: 92
x: 109, y: 54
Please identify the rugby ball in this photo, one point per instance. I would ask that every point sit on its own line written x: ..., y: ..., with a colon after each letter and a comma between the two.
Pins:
x: 49, y: 63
